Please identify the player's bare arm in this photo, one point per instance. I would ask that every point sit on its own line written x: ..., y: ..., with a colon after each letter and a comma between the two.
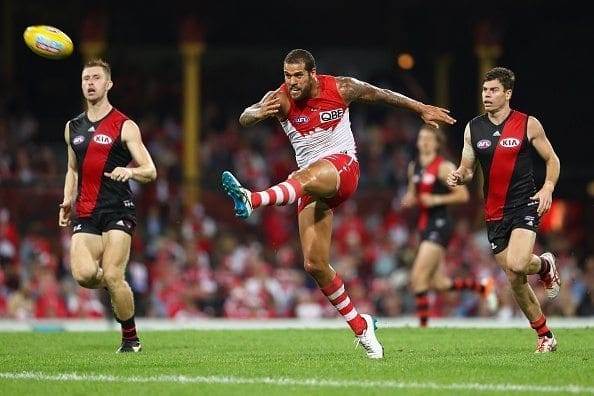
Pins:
x: 353, y: 90
x: 274, y: 103
x: 465, y: 171
x: 145, y: 170
x: 456, y: 195
x: 543, y: 147
x: 410, y: 198
x: 70, y: 183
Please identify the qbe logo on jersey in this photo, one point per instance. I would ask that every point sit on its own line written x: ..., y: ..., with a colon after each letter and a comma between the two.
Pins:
x: 331, y: 115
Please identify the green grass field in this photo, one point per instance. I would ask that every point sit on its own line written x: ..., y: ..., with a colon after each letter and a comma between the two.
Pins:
x: 432, y: 361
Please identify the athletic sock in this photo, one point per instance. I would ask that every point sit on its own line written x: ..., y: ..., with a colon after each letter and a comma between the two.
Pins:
x: 467, y: 284
x: 545, y: 267
x: 284, y: 193
x: 128, y: 329
x: 338, y: 297
x: 422, y: 308
x: 541, y: 328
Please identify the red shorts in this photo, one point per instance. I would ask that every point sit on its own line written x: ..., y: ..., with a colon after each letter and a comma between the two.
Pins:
x: 348, y: 171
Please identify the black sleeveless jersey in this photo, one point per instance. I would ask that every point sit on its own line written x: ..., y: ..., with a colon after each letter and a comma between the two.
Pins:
x: 98, y: 148
x: 504, y: 153
x: 426, y: 180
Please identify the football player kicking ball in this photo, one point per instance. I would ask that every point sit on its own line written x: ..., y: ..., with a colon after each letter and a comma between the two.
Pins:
x: 313, y: 111
x: 501, y: 140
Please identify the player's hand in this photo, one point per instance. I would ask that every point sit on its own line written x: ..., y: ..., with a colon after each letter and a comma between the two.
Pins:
x: 270, y: 104
x: 64, y: 216
x: 426, y: 200
x: 455, y: 178
x: 432, y: 115
x: 545, y: 198
x: 120, y: 173
x: 408, y: 200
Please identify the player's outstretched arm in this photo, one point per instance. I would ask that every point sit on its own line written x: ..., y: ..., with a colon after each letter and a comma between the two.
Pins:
x: 352, y: 90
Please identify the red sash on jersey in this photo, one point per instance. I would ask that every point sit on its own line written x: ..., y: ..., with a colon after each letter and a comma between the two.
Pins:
x: 503, y: 164
x: 426, y: 184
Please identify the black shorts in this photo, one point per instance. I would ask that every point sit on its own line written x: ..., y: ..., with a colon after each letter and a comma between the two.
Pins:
x: 439, y: 230
x: 499, y: 231
x: 103, y: 222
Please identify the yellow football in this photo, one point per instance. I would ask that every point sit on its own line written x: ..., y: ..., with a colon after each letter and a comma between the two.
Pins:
x: 48, y: 41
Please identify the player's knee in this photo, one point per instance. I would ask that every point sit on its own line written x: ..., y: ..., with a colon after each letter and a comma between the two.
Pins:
x: 85, y: 277
x: 518, y: 264
x: 113, y: 280
x: 314, y: 268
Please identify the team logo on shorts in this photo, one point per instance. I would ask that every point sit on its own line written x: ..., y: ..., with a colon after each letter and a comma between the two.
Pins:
x: 124, y: 223
x: 529, y: 220
x: 483, y: 144
x: 433, y: 236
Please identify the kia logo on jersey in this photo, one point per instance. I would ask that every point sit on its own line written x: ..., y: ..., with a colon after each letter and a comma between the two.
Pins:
x: 331, y: 115
x: 301, y: 120
x: 510, y: 142
x: 483, y: 144
x: 102, y: 139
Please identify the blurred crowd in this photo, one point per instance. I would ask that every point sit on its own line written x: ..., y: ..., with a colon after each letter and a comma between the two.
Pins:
x: 201, y: 262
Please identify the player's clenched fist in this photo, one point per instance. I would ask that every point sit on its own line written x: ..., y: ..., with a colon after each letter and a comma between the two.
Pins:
x: 455, y: 179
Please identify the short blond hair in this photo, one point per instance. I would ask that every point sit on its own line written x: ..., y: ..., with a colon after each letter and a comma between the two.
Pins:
x: 101, y: 63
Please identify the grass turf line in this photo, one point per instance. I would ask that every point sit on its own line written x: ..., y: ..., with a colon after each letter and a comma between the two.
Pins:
x: 433, y: 361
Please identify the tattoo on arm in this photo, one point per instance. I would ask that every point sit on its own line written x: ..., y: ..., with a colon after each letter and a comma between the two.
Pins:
x: 352, y: 90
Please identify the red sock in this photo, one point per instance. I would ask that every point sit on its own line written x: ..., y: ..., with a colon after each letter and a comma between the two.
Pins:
x: 422, y: 307
x: 467, y: 284
x: 283, y: 193
x: 541, y: 328
x: 343, y: 304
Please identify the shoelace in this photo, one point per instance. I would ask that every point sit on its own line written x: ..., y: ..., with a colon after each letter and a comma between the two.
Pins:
x: 543, y: 344
x: 247, y: 199
x: 549, y: 281
x: 362, y: 339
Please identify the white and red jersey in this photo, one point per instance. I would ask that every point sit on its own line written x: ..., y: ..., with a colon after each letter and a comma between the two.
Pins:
x: 320, y: 126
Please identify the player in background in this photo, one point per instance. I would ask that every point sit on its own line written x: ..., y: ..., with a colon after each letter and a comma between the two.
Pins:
x: 105, y: 151
x: 502, y: 140
x: 427, y: 188
x: 313, y: 111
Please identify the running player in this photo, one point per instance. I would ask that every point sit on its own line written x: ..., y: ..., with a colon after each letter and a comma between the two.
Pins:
x: 502, y: 140
x: 105, y: 151
x: 427, y: 188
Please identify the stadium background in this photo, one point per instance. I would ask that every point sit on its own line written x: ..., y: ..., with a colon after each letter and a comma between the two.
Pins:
x: 192, y: 259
